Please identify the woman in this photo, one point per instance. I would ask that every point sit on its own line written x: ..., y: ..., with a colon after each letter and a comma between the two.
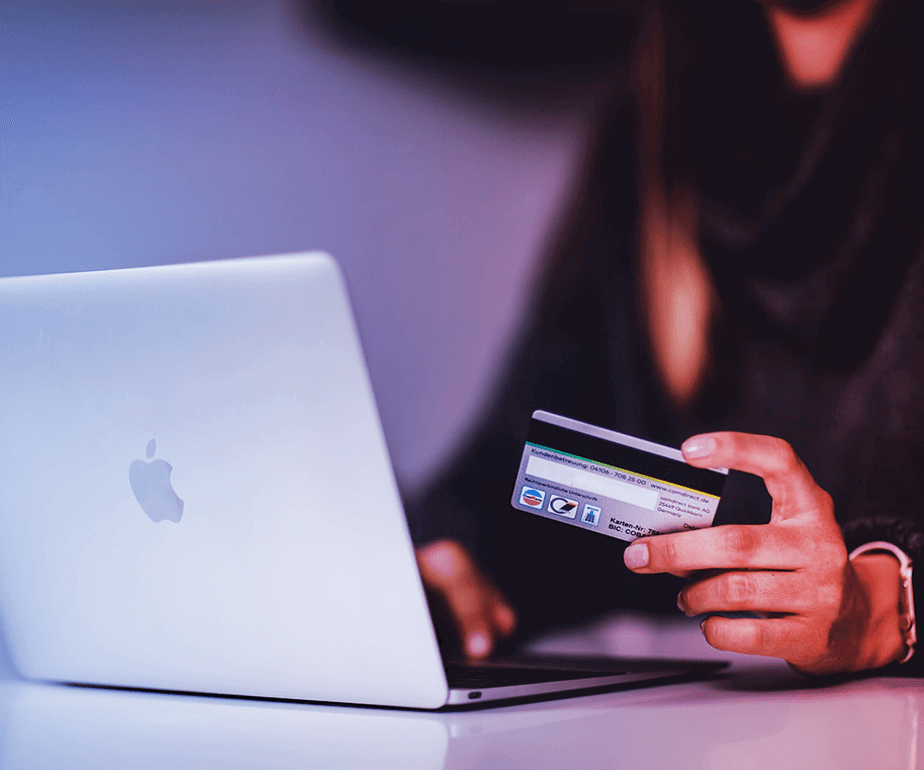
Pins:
x: 745, y: 266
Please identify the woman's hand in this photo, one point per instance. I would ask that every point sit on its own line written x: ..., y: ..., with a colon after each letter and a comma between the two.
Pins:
x: 817, y: 610
x: 481, y: 614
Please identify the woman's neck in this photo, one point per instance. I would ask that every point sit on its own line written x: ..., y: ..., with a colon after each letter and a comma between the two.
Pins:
x: 813, y: 49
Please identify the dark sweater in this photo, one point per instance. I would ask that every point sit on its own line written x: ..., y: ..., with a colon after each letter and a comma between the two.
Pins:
x: 811, y: 227
x: 820, y: 338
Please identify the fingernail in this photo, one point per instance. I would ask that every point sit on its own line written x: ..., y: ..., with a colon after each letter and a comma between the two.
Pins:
x: 698, y: 446
x: 702, y: 625
x: 478, y: 645
x: 680, y: 602
x: 636, y: 556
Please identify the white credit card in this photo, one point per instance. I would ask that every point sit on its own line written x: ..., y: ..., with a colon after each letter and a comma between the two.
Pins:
x: 611, y: 483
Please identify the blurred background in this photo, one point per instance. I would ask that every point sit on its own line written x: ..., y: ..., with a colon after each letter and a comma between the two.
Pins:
x: 148, y: 132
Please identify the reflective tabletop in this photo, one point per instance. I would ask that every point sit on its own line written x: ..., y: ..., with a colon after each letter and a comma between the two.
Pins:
x: 750, y: 719
x: 758, y: 714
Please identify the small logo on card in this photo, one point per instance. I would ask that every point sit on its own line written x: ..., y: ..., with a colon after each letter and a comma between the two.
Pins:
x: 563, y: 506
x: 533, y: 498
x: 591, y: 514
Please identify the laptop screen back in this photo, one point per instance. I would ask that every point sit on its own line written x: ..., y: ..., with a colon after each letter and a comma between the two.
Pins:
x: 195, y: 492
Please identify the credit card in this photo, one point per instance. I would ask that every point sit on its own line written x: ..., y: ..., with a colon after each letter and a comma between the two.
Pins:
x: 611, y: 483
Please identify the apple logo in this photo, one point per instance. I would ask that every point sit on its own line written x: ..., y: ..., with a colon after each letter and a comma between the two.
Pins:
x: 151, y: 485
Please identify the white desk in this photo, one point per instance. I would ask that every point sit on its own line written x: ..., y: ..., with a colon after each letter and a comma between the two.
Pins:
x: 751, y: 719
x: 759, y: 715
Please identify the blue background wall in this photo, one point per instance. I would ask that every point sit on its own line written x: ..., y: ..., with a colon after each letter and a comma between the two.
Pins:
x: 143, y: 132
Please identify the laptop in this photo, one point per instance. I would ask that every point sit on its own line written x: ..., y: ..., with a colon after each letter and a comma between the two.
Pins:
x: 196, y: 496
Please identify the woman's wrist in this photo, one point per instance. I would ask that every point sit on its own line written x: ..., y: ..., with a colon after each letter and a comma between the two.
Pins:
x: 883, y: 641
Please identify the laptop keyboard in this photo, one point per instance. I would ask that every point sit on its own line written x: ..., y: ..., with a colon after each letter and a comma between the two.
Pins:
x: 483, y: 676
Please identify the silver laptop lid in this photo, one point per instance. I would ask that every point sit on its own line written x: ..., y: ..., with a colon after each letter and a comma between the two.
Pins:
x: 278, y: 564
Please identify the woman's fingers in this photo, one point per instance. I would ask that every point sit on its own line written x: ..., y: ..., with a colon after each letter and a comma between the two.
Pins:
x: 788, y: 481
x: 481, y: 614
x: 774, y: 637
x: 726, y: 547
x: 802, y: 520
x: 758, y: 591
x: 793, y: 571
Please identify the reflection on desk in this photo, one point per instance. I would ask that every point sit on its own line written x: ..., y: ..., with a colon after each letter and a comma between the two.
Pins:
x: 751, y: 718
x: 758, y: 716
x: 47, y: 726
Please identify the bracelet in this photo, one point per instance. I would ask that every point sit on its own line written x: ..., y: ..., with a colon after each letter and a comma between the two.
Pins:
x: 906, y: 600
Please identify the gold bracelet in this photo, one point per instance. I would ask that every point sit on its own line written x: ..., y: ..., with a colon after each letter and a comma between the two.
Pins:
x: 906, y: 599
